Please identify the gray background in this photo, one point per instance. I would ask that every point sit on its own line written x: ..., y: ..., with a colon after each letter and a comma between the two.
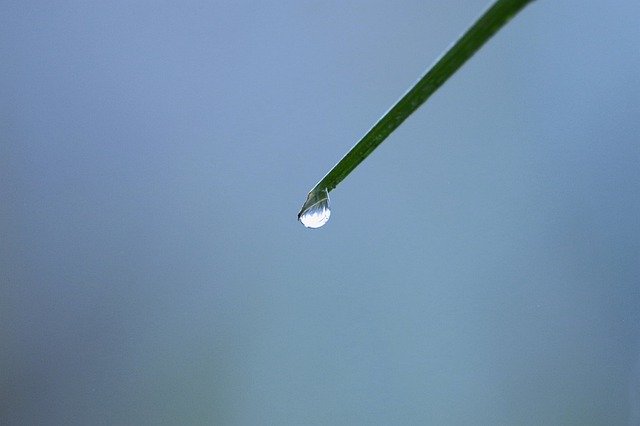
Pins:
x: 481, y: 267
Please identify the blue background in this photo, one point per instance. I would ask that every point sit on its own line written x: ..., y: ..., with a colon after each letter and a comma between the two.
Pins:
x: 481, y: 267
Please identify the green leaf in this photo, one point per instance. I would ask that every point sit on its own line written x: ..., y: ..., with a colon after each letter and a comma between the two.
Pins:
x: 477, y: 35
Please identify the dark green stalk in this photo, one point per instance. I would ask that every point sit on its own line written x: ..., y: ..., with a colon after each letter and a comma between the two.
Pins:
x: 481, y: 31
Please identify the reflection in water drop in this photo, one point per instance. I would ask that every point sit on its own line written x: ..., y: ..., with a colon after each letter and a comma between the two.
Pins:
x: 315, y: 211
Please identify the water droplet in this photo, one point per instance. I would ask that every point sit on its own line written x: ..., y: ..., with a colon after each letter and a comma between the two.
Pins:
x: 315, y: 211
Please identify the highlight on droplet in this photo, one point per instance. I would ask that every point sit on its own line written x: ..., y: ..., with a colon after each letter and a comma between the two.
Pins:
x: 315, y: 212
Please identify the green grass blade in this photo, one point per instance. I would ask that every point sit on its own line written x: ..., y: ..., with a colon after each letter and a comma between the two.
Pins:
x: 479, y: 33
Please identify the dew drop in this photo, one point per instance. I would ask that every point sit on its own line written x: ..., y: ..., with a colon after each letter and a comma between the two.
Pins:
x: 315, y: 211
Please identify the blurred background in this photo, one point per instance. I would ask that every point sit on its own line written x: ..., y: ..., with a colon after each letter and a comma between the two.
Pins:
x: 481, y: 267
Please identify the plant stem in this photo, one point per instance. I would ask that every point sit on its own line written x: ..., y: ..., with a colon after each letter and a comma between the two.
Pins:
x: 479, y: 33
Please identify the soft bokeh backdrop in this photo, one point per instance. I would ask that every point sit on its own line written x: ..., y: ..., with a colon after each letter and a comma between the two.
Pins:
x: 481, y: 267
